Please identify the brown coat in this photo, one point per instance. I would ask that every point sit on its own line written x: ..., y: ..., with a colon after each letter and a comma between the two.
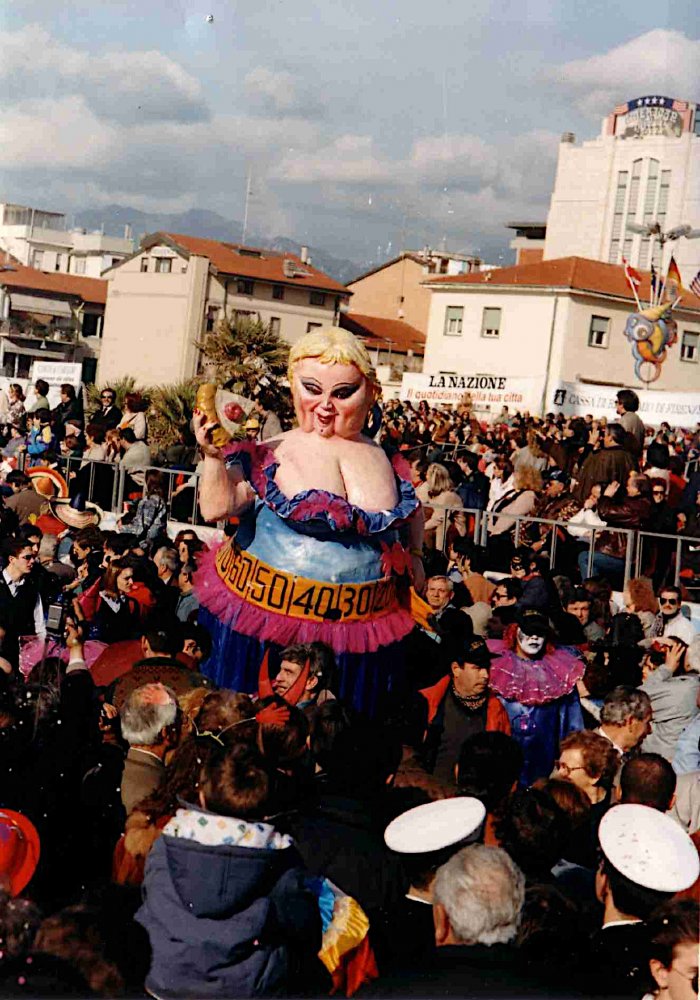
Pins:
x: 629, y: 512
x: 141, y: 776
x: 605, y: 466
x: 28, y: 505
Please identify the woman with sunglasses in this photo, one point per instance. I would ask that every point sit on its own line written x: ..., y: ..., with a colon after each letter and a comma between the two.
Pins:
x: 673, y: 951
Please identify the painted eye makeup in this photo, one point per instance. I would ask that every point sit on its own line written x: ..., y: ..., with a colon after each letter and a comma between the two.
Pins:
x: 346, y: 391
x: 313, y: 388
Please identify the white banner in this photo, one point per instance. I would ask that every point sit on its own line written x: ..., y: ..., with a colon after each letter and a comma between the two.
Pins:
x: 680, y: 409
x: 56, y: 373
x: 488, y: 392
x: 53, y: 372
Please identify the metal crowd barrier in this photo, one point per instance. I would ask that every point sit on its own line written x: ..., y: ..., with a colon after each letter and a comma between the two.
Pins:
x: 677, y: 548
x: 482, y: 519
x: 479, y: 533
x: 120, y: 484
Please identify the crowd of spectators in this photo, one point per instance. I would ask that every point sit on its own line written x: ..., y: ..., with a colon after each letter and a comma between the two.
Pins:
x: 589, y: 473
x: 523, y: 819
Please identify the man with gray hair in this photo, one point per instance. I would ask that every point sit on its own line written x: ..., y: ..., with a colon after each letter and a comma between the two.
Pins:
x: 625, y: 718
x: 477, y: 899
x: 167, y: 563
x: 150, y: 723
x: 438, y: 594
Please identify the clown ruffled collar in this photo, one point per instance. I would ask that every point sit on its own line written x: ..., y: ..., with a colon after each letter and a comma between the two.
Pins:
x: 533, y: 682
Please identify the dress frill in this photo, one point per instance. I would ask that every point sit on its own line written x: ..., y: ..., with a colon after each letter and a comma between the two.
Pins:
x: 240, y: 616
x: 533, y: 682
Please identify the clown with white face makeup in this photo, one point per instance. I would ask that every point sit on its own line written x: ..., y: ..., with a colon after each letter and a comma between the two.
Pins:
x: 330, y: 533
x: 536, y: 683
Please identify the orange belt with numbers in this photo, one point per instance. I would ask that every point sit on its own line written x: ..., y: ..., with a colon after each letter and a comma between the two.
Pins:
x: 283, y: 593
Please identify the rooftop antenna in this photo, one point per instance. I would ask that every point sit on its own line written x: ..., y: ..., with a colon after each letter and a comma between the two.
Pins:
x: 248, y: 192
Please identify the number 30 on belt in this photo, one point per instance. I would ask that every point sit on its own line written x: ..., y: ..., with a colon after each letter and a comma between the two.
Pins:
x: 298, y: 597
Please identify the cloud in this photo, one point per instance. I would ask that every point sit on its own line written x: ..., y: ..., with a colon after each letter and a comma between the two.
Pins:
x: 349, y: 159
x: 522, y: 165
x: 126, y: 87
x: 457, y: 186
x: 280, y: 93
x: 659, y: 61
x: 62, y: 135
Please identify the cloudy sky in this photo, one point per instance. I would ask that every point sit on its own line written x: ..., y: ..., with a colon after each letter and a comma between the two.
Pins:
x: 367, y: 124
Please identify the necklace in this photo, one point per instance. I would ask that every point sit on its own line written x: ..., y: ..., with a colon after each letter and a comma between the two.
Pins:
x: 472, y: 702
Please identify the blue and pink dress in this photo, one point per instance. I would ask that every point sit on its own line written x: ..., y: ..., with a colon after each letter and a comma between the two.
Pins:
x: 309, y: 568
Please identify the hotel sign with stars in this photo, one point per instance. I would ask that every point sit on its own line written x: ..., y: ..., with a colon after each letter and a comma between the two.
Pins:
x: 652, y: 116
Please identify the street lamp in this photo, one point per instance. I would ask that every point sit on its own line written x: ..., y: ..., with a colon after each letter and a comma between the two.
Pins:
x: 653, y: 230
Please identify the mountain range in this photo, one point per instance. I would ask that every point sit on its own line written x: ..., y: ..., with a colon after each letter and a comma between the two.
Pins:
x: 209, y: 225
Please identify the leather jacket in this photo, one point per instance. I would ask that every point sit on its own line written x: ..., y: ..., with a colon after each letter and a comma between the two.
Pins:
x: 624, y: 512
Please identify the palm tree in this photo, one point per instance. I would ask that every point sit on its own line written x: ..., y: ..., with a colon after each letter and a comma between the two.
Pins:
x: 171, y: 411
x: 246, y: 355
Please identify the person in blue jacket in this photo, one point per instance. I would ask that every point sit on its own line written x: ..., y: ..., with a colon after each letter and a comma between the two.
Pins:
x: 225, y: 903
x: 536, y: 682
x: 41, y: 444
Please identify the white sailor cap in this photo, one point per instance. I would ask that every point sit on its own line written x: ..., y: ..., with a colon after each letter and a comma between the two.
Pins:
x: 435, y: 825
x: 649, y: 848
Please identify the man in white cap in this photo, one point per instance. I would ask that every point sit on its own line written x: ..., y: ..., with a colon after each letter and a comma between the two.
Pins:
x: 646, y: 859
x: 426, y: 837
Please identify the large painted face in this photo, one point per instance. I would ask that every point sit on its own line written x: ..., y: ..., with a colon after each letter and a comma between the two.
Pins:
x: 531, y: 645
x: 330, y: 400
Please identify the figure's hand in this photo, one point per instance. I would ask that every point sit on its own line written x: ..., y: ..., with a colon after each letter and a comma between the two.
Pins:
x: 611, y: 489
x: 203, y: 430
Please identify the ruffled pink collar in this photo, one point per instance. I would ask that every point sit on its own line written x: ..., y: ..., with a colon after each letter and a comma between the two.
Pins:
x: 533, y: 682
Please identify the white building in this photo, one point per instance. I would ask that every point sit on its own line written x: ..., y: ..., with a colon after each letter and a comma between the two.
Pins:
x: 164, y: 299
x: 643, y: 168
x: 43, y: 241
x: 543, y: 324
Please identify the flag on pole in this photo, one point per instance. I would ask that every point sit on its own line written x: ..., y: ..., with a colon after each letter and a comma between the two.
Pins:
x: 634, y: 280
x: 673, y: 279
x: 695, y: 285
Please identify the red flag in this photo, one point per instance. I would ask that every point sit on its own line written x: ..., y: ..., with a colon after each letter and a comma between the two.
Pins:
x: 673, y: 278
x: 634, y: 278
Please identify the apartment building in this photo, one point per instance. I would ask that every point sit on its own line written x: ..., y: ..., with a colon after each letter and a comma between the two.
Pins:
x: 164, y: 298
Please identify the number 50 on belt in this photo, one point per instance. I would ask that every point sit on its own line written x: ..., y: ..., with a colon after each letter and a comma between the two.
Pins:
x: 283, y: 593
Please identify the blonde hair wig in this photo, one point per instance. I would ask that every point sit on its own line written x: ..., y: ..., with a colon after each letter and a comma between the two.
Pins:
x: 331, y: 345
